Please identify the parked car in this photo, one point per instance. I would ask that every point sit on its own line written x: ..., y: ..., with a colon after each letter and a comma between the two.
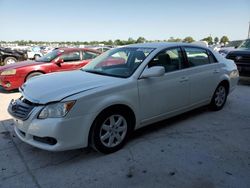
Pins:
x: 241, y: 57
x: 64, y: 59
x: 100, y: 105
x: 230, y: 46
x: 9, y: 56
x: 34, y: 53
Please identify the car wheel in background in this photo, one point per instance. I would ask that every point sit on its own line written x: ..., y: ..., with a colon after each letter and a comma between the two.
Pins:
x: 111, y: 130
x: 33, y: 74
x: 36, y: 56
x: 9, y: 60
x: 219, y: 97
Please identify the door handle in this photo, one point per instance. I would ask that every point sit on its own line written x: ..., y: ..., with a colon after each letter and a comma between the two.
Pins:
x: 184, y: 79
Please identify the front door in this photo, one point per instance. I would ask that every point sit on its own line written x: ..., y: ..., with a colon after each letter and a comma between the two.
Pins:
x: 71, y: 61
x: 160, y: 96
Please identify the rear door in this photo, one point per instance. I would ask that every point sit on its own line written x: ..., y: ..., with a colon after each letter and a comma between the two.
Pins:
x: 204, y: 71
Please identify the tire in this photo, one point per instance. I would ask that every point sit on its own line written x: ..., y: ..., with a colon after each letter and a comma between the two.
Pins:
x: 110, y: 131
x: 9, y: 60
x: 219, y: 98
x: 33, y: 74
x: 36, y: 56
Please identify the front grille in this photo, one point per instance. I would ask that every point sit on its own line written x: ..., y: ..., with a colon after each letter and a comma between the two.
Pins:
x: 20, y: 108
x: 239, y: 58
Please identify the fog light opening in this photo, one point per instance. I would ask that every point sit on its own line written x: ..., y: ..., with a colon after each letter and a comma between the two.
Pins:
x: 8, y: 85
x: 45, y: 140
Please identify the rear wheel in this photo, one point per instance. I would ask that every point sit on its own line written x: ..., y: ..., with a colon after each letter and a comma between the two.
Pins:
x: 9, y: 60
x: 219, y: 97
x: 111, y: 130
x: 33, y: 74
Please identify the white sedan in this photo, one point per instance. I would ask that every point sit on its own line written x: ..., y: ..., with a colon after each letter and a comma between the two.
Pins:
x: 121, y: 90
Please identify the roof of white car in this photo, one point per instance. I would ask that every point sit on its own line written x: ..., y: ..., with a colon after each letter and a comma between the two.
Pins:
x: 163, y: 44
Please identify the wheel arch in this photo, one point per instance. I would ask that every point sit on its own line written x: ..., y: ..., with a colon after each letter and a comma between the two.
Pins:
x: 34, y: 71
x: 226, y: 83
x: 122, y: 107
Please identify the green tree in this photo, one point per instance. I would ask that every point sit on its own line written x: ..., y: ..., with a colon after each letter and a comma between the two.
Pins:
x: 118, y: 42
x: 216, y: 40
x: 188, y: 39
x: 110, y: 42
x: 224, y: 40
x: 172, y: 39
x: 209, y: 40
x: 141, y: 40
x: 130, y: 41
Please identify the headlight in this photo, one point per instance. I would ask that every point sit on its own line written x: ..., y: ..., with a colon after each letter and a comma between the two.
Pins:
x: 8, y: 72
x: 56, y: 110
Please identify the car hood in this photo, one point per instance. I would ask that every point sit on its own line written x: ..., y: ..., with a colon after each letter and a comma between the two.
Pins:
x: 19, y: 65
x: 57, y: 86
x: 241, y: 52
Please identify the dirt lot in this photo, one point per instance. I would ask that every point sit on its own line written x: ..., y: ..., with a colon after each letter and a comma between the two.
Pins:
x: 197, y: 149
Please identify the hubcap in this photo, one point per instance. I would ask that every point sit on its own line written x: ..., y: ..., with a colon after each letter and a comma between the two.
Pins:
x: 220, y: 96
x: 10, y: 61
x: 113, y: 131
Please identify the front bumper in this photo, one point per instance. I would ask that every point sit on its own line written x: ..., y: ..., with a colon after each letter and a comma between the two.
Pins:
x: 11, y: 82
x: 53, y: 134
x: 244, y: 69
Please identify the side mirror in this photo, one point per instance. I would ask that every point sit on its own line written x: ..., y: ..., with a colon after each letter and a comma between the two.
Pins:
x: 155, y: 71
x: 59, y: 61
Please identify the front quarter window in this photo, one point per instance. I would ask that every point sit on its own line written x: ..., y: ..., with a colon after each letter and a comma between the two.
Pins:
x: 119, y: 62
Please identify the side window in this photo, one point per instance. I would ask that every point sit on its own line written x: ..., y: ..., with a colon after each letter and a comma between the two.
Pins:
x: 212, y: 59
x: 88, y: 55
x: 170, y: 59
x: 72, y: 56
x: 196, y: 56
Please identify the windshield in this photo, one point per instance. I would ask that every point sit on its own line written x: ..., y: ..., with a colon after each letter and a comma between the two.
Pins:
x: 119, y: 62
x: 245, y: 44
x: 50, y: 56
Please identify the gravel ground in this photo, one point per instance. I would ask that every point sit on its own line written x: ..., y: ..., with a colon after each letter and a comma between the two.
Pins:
x: 197, y: 149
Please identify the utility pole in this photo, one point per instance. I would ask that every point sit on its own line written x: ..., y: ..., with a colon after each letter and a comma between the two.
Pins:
x: 249, y: 31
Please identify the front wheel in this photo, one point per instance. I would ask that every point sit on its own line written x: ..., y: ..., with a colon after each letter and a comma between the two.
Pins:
x: 219, y: 98
x: 111, y: 130
x: 9, y: 60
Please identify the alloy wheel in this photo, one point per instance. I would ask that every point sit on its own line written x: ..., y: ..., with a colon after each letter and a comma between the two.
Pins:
x: 113, y: 131
x: 220, y: 96
x: 10, y: 61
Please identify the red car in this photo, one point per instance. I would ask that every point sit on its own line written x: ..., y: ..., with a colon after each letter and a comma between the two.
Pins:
x: 14, y: 75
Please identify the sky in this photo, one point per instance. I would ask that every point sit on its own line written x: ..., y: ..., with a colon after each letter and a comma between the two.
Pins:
x: 79, y: 20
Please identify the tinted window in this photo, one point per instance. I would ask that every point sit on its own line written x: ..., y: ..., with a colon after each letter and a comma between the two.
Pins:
x: 88, y: 55
x: 196, y: 56
x: 72, y: 56
x: 212, y: 59
x: 50, y: 56
x: 170, y: 59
